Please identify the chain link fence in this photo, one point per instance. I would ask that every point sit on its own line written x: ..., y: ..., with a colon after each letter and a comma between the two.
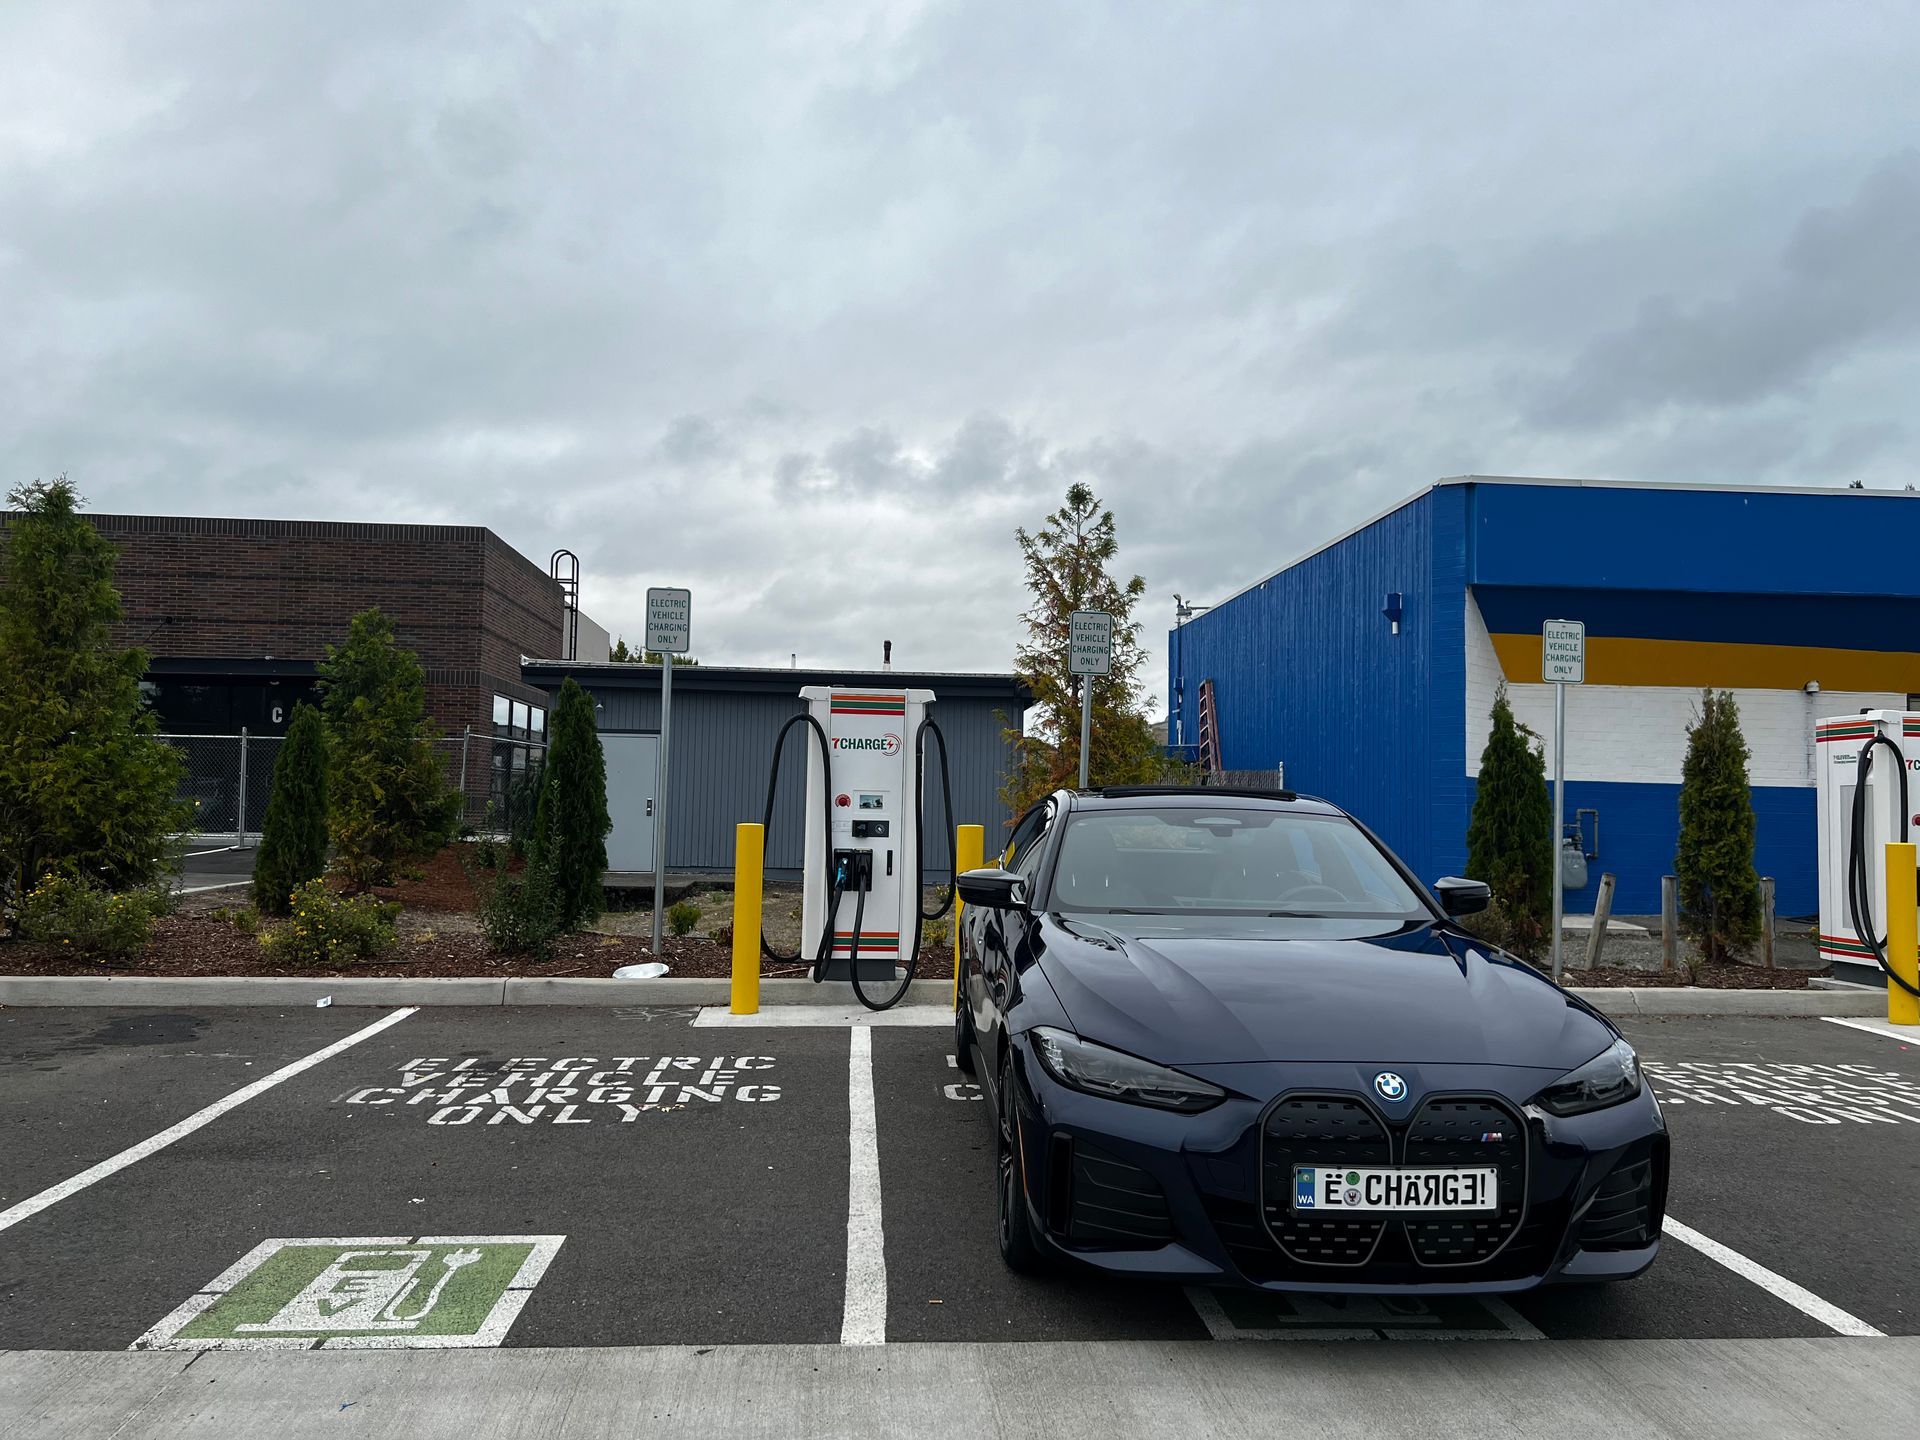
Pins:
x: 228, y: 779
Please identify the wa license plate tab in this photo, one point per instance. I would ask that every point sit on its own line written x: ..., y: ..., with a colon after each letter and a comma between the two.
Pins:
x: 1327, y: 1187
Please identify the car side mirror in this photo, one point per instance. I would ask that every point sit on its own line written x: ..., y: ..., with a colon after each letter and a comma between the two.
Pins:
x: 1460, y: 896
x: 993, y: 889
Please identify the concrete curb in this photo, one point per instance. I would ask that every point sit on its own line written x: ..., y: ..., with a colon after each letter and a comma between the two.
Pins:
x: 1689, y: 1000
x: 42, y: 990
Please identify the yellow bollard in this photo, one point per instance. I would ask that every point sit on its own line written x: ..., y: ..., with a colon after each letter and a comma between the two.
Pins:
x: 749, y: 859
x: 969, y: 853
x: 1903, y: 921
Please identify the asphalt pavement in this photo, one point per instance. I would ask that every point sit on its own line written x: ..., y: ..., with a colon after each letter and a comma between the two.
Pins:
x: 558, y: 1178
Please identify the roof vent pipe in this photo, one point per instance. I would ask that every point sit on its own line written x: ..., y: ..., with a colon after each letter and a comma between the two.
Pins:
x: 886, y: 655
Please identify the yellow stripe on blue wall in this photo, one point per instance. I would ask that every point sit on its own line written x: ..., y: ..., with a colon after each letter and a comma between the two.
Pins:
x: 1620, y: 660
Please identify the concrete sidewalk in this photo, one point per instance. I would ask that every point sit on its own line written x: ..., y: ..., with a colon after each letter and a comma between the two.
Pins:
x: 37, y: 990
x: 1111, y: 1390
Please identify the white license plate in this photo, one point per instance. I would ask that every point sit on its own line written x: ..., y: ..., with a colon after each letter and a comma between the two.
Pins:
x: 1326, y: 1187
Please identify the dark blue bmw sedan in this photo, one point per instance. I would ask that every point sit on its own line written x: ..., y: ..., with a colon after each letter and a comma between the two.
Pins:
x: 1228, y: 1038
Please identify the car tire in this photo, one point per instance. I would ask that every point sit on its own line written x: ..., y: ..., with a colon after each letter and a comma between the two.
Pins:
x: 1017, y: 1245
x: 963, y: 1035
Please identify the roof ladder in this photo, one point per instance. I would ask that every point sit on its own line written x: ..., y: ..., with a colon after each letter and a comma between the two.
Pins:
x: 1209, y: 731
x: 564, y: 567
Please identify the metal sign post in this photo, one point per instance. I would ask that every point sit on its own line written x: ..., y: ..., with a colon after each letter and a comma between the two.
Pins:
x: 1089, y: 653
x: 1563, y: 662
x: 669, y: 631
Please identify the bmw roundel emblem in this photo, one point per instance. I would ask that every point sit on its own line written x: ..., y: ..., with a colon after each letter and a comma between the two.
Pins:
x: 1390, y: 1086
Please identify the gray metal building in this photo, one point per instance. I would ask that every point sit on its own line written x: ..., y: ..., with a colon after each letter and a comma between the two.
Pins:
x: 725, y: 720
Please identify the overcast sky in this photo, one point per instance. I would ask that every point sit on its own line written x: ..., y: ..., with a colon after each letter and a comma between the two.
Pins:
x: 807, y: 306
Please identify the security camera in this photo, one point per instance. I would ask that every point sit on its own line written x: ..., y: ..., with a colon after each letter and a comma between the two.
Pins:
x: 1812, y: 687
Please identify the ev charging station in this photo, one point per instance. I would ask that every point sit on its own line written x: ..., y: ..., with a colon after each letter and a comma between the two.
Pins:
x: 1865, y: 801
x: 872, y: 802
x: 860, y: 908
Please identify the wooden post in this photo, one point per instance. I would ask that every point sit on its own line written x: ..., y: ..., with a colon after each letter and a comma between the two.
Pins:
x: 1669, y: 923
x: 1602, y: 912
x: 1766, y: 920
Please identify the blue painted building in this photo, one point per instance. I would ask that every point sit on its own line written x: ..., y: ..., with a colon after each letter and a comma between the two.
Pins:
x: 1803, y: 603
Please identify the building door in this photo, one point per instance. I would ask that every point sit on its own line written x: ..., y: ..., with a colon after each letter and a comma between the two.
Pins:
x: 633, y: 768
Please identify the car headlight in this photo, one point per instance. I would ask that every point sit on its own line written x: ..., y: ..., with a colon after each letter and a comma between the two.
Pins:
x: 1610, y: 1077
x: 1114, y: 1075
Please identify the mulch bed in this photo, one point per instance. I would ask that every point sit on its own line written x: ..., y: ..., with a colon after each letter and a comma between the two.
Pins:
x: 194, y: 945
x: 1712, y: 977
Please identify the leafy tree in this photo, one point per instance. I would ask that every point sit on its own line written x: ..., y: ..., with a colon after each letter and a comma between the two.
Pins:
x: 621, y: 655
x: 85, y: 789
x: 1510, y: 834
x: 390, y: 799
x: 1719, y: 891
x: 570, y: 827
x: 293, y: 838
x: 1066, y: 562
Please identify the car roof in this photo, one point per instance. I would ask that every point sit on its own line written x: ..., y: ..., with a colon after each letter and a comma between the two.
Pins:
x: 1212, y: 797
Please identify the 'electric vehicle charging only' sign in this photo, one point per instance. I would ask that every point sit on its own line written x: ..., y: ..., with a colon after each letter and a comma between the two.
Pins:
x: 669, y: 620
x: 1090, y: 642
x: 1563, y: 652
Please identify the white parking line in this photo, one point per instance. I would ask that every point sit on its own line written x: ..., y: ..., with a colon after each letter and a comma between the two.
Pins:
x: 1905, y: 1034
x: 1803, y: 1300
x: 34, y: 1204
x: 864, y: 1317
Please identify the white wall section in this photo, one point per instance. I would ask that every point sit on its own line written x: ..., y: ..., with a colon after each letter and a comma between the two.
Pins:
x: 1638, y: 733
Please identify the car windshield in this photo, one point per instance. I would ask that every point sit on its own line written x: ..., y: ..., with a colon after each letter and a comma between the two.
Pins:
x: 1226, y: 861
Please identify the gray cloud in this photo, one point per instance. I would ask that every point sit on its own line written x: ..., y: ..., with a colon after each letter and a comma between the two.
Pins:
x: 1845, y: 280
x: 730, y: 297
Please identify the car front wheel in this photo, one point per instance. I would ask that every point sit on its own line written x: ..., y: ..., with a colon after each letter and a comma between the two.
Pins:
x: 1017, y: 1245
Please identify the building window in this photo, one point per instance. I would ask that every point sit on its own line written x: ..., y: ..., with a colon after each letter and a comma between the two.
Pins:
x: 539, y: 726
x: 500, y: 704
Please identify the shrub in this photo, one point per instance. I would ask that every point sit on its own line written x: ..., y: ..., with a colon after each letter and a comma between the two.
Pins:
x: 571, y: 823
x: 293, y: 838
x: 682, y: 917
x: 1510, y: 835
x: 92, y: 920
x: 935, y: 935
x: 390, y: 799
x: 1719, y: 891
x: 520, y: 914
x: 486, y: 852
x: 85, y: 789
x: 330, y: 929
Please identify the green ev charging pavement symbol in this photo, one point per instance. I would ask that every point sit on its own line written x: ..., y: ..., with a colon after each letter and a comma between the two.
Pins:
x: 370, y: 1293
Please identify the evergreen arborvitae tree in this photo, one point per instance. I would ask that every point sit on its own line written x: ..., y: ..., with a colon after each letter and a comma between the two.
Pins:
x: 85, y: 789
x: 1719, y: 891
x: 389, y: 796
x: 1066, y: 563
x: 1510, y: 836
x: 571, y: 824
x: 293, y: 838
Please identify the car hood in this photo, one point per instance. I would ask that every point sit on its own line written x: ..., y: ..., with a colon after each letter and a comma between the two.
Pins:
x: 1216, y: 992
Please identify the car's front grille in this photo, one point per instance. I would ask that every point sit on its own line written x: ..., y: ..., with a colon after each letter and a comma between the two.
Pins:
x: 1321, y: 1130
x: 1334, y: 1129
x: 1467, y: 1132
x: 1625, y: 1211
x: 1111, y: 1202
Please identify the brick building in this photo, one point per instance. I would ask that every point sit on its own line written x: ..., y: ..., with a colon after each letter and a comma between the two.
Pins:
x: 236, y: 615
